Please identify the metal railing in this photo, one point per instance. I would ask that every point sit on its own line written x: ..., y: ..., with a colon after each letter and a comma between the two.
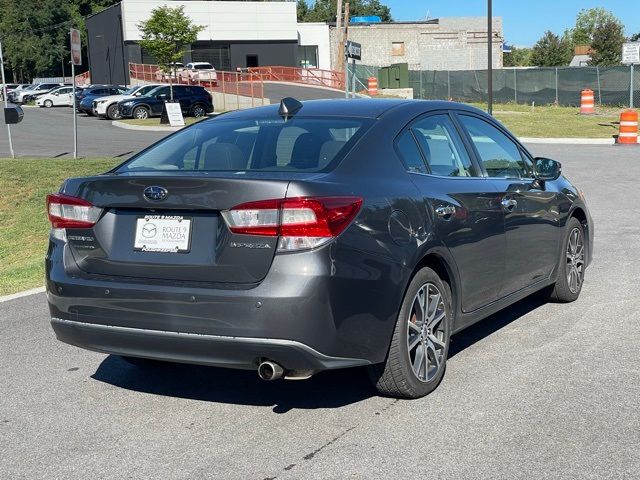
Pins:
x: 307, y: 76
x: 240, y: 89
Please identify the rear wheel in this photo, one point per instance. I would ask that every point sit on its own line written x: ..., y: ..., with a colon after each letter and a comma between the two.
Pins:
x: 198, y: 111
x: 141, y: 113
x: 572, y: 265
x: 419, y: 347
x: 112, y: 112
x: 48, y: 103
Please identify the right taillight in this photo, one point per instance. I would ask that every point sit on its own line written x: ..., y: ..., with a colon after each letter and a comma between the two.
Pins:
x: 71, y: 212
x: 301, y: 223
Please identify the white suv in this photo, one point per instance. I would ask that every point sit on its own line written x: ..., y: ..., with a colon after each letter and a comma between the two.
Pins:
x: 199, y: 72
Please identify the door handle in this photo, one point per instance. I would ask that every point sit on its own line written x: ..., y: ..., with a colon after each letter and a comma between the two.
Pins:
x: 509, y: 204
x: 446, y: 212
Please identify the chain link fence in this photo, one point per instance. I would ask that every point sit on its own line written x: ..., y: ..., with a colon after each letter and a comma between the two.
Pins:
x: 561, y: 86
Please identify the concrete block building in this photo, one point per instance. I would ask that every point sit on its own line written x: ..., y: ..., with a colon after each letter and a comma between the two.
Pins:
x: 454, y: 43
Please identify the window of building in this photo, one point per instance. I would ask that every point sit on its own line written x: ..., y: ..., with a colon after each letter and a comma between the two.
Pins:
x: 308, y: 56
x: 397, y: 49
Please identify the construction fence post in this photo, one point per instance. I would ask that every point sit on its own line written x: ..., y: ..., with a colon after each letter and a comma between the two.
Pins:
x: 515, y: 85
x: 599, y: 89
x: 557, y: 102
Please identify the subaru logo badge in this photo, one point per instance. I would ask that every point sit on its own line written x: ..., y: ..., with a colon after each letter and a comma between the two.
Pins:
x: 156, y: 193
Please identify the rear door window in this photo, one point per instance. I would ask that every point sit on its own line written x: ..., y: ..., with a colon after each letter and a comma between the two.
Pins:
x: 442, y: 147
x: 299, y: 144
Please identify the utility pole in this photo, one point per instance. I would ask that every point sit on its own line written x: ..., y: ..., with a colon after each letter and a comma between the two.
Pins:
x: 6, y: 101
x: 340, y: 39
x: 490, y: 57
x: 344, y: 44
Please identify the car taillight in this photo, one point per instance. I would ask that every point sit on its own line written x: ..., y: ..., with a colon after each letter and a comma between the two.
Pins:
x: 71, y: 212
x: 301, y: 223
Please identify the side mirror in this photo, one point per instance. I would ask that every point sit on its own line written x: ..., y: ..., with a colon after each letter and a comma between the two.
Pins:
x: 547, y: 169
x: 56, y: 94
x: 137, y: 94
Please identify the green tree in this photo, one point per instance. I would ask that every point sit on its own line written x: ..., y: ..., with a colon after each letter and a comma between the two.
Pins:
x: 635, y: 38
x: 551, y: 51
x: 166, y: 34
x: 303, y: 10
x: 587, y: 21
x: 325, y: 10
x: 607, y: 43
x: 518, y: 57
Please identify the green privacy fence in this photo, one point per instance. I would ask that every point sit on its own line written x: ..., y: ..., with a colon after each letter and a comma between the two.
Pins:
x: 611, y: 85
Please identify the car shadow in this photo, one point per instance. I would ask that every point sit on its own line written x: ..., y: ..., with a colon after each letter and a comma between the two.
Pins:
x: 487, y: 327
x: 242, y: 387
x: 332, y: 389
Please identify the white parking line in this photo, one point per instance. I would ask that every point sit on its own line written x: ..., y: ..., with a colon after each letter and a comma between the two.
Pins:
x: 25, y: 293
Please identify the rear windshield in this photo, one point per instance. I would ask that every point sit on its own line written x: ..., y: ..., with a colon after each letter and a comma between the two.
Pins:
x: 270, y: 145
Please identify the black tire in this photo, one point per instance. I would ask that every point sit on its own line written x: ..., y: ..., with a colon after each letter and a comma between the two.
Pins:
x: 563, y: 291
x: 198, y: 111
x: 142, y: 362
x: 396, y: 377
x: 140, y: 113
x: 112, y: 112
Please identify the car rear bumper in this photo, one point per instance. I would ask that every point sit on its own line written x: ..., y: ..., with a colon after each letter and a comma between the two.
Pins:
x: 213, y: 350
x: 308, y: 313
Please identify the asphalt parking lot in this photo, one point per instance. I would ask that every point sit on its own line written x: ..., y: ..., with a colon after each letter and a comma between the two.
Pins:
x: 49, y: 132
x: 536, y: 391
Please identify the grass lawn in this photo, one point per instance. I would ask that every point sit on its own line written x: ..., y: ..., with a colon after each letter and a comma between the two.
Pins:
x: 24, y: 183
x: 556, y: 122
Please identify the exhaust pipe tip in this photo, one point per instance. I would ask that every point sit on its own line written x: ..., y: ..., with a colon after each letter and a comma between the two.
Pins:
x: 269, y: 371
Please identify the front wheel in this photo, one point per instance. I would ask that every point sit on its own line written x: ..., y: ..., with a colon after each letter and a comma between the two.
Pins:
x: 572, y: 264
x: 419, y: 347
x: 141, y: 113
x: 112, y: 112
x: 48, y: 103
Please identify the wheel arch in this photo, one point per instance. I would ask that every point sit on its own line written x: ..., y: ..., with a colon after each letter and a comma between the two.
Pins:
x: 444, y: 267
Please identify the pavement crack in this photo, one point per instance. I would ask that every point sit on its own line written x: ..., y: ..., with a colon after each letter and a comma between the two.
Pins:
x: 309, y: 456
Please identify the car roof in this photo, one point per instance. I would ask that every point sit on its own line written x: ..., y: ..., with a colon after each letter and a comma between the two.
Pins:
x: 362, y: 107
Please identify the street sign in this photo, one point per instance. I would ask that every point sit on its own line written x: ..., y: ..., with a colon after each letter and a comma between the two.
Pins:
x: 354, y: 50
x: 76, y: 47
x: 631, y: 53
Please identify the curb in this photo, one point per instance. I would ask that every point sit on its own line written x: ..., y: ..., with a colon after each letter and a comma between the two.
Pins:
x: 569, y: 141
x: 24, y: 293
x: 144, y: 128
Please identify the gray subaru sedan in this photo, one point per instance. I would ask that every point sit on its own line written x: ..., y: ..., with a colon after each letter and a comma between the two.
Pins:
x: 302, y: 237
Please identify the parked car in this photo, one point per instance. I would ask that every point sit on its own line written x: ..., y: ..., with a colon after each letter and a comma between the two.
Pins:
x: 107, y: 107
x: 199, y: 72
x: 173, y: 73
x: 295, y: 238
x: 58, y: 97
x: 27, y: 95
x: 194, y: 100
x: 9, y: 87
x: 91, y: 94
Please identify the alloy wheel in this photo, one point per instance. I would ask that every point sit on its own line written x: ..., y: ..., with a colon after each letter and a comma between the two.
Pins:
x: 141, y: 113
x: 198, y: 112
x: 575, y: 260
x: 426, y: 333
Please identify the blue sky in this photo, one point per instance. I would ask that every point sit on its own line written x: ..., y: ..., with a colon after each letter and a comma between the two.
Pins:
x: 524, y: 20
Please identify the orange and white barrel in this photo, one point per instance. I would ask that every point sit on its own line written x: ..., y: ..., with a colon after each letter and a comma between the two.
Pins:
x: 372, y: 86
x: 587, y: 102
x: 628, y: 128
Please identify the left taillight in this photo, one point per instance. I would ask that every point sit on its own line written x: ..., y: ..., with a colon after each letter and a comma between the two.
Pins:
x: 71, y: 212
